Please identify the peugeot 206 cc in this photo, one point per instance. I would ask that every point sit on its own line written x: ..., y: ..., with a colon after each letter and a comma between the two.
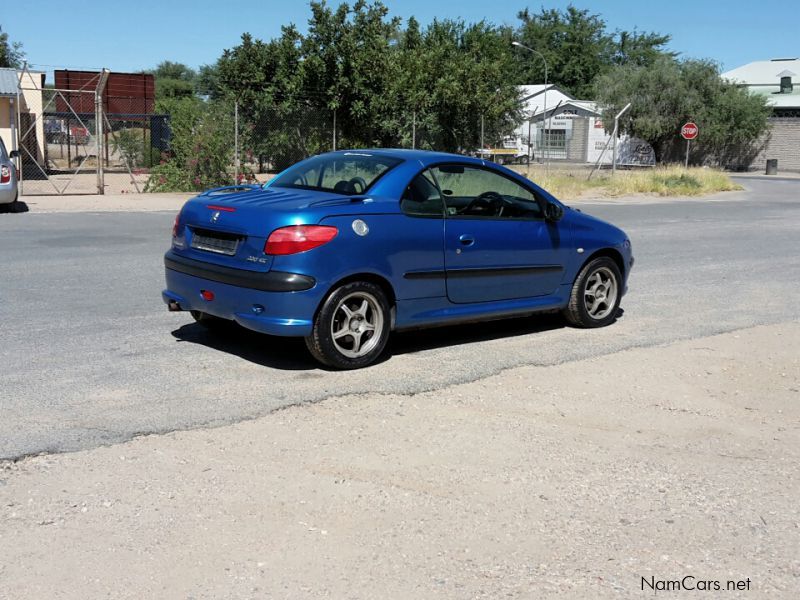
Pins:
x: 345, y: 247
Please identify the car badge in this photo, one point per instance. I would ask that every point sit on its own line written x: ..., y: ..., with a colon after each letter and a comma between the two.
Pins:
x: 360, y: 227
x: 215, y: 216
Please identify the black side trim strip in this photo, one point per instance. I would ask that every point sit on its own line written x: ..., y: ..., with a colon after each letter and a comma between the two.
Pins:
x: 538, y: 270
x: 271, y: 281
x: 424, y: 275
x: 461, y: 273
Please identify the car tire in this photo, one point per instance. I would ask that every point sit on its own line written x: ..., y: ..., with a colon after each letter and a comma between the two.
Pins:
x: 352, y: 327
x: 211, y: 322
x: 596, y: 293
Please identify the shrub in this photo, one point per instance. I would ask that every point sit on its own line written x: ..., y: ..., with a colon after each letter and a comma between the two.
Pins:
x: 201, y: 147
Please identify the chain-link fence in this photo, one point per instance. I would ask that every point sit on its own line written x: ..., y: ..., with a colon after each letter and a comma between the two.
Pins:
x: 133, y: 145
x: 270, y: 140
x: 90, y: 141
x: 57, y: 141
x: 265, y: 142
x: 96, y: 139
x: 84, y: 141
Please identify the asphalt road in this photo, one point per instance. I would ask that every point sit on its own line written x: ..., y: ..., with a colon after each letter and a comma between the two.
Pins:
x: 90, y: 355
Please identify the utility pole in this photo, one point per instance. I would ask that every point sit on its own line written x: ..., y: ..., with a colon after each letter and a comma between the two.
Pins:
x: 530, y: 148
x: 98, y: 130
x: 614, y: 139
x: 236, y: 142
x: 546, y: 134
x: 20, y: 134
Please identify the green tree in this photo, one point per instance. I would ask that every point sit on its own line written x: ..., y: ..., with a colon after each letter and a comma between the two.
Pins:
x: 466, y: 71
x: 207, y: 83
x: 349, y: 63
x: 376, y: 76
x: 641, y: 49
x: 128, y: 145
x: 11, y: 54
x: 279, y: 122
x: 201, y: 149
x: 578, y: 48
x: 667, y: 93
x: 574, y: 43
x: 174, y: 80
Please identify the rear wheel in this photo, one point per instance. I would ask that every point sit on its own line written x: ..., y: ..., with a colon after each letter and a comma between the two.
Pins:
x: 596, y: 294
x: 211, y: 322
x: 352, y: 327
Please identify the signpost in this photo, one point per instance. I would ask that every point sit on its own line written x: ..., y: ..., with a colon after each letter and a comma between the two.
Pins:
x: 689, y: 132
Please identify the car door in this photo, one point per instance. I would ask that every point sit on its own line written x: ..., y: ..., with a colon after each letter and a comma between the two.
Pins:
x: 498, y: 246
x: 420, y: 234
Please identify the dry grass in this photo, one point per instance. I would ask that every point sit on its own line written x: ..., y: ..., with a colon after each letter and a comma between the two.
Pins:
x: 570, y: 184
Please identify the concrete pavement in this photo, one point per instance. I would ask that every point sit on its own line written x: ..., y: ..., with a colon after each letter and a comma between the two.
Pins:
x: 92, y: 357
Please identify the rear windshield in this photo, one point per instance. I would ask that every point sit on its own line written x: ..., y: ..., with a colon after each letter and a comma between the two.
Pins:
x: 348, y: 173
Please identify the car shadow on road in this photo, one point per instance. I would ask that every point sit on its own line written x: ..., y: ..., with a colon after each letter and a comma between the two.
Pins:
x: 285, y: 353
x: 17, y: 207
x: 409, y: 342
x: 291, y: 354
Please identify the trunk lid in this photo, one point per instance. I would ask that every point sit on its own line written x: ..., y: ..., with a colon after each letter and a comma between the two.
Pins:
x: 229, y: 226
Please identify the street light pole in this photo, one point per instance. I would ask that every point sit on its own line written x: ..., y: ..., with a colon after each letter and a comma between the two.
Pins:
x: 616, y: 132
x: 544, y: 60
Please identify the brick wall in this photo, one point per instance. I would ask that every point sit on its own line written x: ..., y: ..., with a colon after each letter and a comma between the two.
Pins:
x: 783, y: 144
x: 576, y: 148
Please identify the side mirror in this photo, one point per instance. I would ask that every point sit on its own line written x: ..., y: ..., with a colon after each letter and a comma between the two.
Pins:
x: 553, y: 212
x: 13, y: 154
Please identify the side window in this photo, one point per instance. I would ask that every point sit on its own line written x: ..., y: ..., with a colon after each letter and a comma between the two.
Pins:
x: 422, y: 198
x: 473, y: 192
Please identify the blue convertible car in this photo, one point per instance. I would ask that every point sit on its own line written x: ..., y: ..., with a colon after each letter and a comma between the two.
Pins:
x: 345, y: 247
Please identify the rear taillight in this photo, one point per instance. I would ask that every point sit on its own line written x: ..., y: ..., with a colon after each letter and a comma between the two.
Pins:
x: 5, y: 174
x: 175, y: 225
x: 298, y: 238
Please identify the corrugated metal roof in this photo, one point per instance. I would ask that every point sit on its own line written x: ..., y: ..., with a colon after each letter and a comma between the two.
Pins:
x: 763, y: 77
x: 9, y: 83
x: 763, y: 72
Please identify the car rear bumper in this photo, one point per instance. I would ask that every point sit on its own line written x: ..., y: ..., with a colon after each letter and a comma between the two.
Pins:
x: 271, y: 281
x: 8, y: 193
x: 273, y: 311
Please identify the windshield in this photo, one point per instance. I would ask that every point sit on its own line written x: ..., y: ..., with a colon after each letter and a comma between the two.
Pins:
x: 348, y: 173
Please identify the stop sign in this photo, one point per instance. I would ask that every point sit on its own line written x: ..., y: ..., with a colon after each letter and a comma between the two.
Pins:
x: 689, y: 131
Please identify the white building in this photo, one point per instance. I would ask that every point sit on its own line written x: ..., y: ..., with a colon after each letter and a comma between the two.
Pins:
x: 778, y: 80
x: 558, y: 126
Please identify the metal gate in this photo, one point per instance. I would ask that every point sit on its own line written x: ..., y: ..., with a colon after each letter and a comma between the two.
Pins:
x: 60, y: 137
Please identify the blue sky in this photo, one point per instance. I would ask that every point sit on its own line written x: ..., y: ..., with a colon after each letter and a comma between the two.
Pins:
x: 130, y: 36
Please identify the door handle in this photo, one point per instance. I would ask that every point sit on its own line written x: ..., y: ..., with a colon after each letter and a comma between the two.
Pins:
x: 466, y: 239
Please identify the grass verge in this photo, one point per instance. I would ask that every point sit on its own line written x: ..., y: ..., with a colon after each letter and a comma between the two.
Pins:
x: 566, y: 184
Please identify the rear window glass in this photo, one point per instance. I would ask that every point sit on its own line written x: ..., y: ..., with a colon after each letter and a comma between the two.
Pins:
x: 349, y: 173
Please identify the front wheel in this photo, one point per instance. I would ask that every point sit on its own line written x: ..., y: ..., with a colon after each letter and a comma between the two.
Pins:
x: 352, y: 327
x: 596, y: 294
